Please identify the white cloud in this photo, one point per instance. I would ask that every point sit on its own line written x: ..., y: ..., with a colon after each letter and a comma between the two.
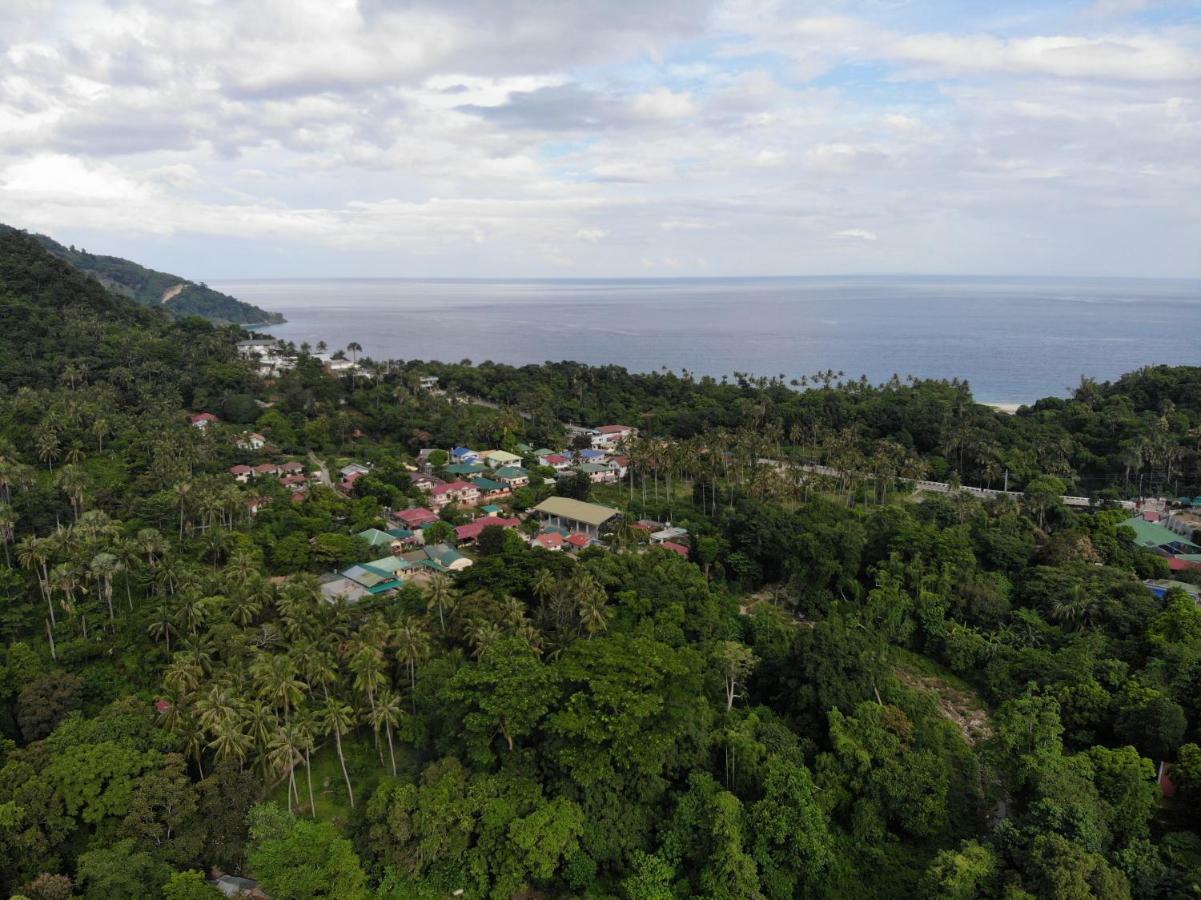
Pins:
x: 859, y: 234
x: 591, y: 235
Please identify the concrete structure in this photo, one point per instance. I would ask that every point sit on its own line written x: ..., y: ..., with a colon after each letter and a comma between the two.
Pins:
x: 576, y: 515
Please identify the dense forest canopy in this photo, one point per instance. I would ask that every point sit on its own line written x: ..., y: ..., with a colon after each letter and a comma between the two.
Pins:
x: 847, y: 688
x: 149, y: 287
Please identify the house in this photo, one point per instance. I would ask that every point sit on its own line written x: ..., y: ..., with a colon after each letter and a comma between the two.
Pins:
x: 343, y: 589
x: 1180, y: 554
x: 464, y: 455
x: 592, y: 456
x: 425, y: 482
x: 347, y: 483
x: 490, y: 510
x: 499, y: 458
x: 466, y: 470
x: 252, y: 440
x: 549, y: 540
x: 256, y: 348
x: 576, y: 515
x: 377, y: 538
x: 439, y: 558
x: 1160, y: 588
x: 234, y: 886
x: 606, y: 437
x: 557, y: 461
x: 668, y: 533
x: 353, y: 469
x: 490, y: 489
x: 579, y: 541
x: 428, y: 382
x: 265, y: 469
x: 465, y: 493
x: 204, y: 420
x: 679, y: 549
x: 597, y: 474
x: 415, y: 517
x: 619, y: 464
x: 471, y: 531
x: 380, y: 576
x: 294, y: 482
x: 241, y: 473
x: 513, y: 476
x: 541, y: 455
x: 292, y: 468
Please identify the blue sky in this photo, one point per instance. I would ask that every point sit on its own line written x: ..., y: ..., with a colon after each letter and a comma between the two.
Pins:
x: 608, y: 138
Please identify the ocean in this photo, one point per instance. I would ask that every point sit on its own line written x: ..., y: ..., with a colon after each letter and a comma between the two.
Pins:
x: 1014, y: 339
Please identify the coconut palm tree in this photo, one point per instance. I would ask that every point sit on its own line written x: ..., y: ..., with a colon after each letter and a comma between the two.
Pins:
x: 8, y: 530
x: 412, y: 645
x: 437, y: 594
x: 162, y: 625
x: 387, y: 714
x: 34, y: 553
x: 336, y: 718
x: 104, y: 567
x: 284, y: 755
x: 230, y: 742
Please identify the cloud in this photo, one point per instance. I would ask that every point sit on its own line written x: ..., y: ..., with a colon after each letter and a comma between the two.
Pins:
x: 497, y: 138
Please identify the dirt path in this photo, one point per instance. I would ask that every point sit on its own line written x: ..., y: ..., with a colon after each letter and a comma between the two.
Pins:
x: 172, y: 292
x: 961, y: 707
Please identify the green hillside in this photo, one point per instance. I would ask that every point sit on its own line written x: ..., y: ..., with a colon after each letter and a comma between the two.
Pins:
x: 150, y: 287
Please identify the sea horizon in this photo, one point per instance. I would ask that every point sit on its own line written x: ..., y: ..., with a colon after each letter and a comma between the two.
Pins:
x: 1014, y: 339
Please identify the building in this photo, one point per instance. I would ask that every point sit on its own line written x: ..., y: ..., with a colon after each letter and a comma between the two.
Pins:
x: 465, y: 470
x: 415, y: 517
x: 578, y: 541
x: 464, y: 493
x: 1179, y: 553
x: 597, y: 473
x: 204, y: 420
x: 471, y: 531
x: 292, y: 468
x: 425, y: 482
x: 241, y: 473
x: 499, y: 458
x: 606, y: 437
x: 252, y: 440
x: 352, y: 469
x: 265, y: 469
x: 549, y: 540
x: 428, y: 382
x: 513, y: 476
x: 576, y: 515
x: 464, y: 455
x: 438, y: 558
x: 557, y: 461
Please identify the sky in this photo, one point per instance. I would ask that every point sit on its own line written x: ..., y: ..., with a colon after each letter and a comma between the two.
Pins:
x: 594, y: 138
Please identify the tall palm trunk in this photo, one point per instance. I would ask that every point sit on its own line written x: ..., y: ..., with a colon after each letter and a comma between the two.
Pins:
x: 342, y: 760
x: 391, y: 752
x: 308, y: 774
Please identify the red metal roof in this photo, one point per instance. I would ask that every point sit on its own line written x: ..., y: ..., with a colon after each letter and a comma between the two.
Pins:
x: 675, y: 548
x: 550, y: 540
x: 579, y: 540
x: 417, y: 516
x: 471, y: 530
x: 204, y: 417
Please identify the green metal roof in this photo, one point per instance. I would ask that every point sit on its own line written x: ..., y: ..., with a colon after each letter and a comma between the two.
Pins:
x: 466, y: 469
x: 511, y: 472
x: 1152, y: 534
x: 487, y: 484
x: 375, y: 537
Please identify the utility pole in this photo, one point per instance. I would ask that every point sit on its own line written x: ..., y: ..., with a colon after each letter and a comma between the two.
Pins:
x: 1007, y: 481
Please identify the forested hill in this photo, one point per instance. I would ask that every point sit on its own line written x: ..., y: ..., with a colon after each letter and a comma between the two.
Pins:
x: 149, y: 287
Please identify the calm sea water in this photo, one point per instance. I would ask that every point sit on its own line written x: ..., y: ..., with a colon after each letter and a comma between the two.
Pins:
x: 1015, y: 340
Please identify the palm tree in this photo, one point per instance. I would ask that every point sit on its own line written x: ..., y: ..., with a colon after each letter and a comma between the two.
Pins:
x: 230, y: 742
x: 304, y: 740
x: 34, y: 553
x: 283, y: 753
x: 437, y: 595
x: 387, y: 714
x: 104, y: 567
x: 8, y: 530
x: 74, y: 482
x: 354, y: 348
x: 412, y: 644
x: 275, y: 677
x: 162, y: 625
x: 151, y: 543
x: 337, y: 717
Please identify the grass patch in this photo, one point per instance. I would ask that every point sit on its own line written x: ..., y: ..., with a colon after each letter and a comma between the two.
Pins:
x: 329, y: 787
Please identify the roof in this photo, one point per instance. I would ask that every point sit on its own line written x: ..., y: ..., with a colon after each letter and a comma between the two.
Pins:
x: 353, y: 467
x: 416, y: 516
x: 490, y: 508
x: 399, y: 534
x: 592, y: 468
x: 388, y: 564
x: 669, y: 533
x: 592, y: 454
x: 543, y: 451
x: 465, y: 469
x: 265, y: 468
x: 440, y: 489
x: 488, y: 485
x: 240, y: 470
x: 557, y: 458
x: 463, y: 451
x: 550, y: 539
x: 375, y: 537
x: 204, y: 417
x: 579, y: 539
x: 471, y: 530
x: 1151, y: 534
x: 511, y: 472
x: 501, y: 456
x: 292, y: 467
x: 675, y: 548
x: 576, y: 510
x: 612, y: 429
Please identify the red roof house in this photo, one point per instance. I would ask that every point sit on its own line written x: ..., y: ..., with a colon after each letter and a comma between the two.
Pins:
x: 240, y: 471
x: 579, y: 540
x: 471, y: 531
x: 551, y: 540
x: 204, y: 420
x: 675, y: 548
x: 416, y: 517
x: 292, y: 468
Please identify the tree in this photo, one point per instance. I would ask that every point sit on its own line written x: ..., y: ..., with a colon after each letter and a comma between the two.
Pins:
x: 121, y: 870
x: 304, y: 860
x: 506, y: 694
x: 735, y: 661
x: 336, y: 719
x: 189, y: 885
x: 46, y: 701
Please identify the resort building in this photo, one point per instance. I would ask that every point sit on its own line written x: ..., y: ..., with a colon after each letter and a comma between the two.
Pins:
x: 576, y: 515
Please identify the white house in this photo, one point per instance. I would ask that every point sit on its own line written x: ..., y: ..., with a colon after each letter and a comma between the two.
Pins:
x: 251, y: 441
x: 606, y: 437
